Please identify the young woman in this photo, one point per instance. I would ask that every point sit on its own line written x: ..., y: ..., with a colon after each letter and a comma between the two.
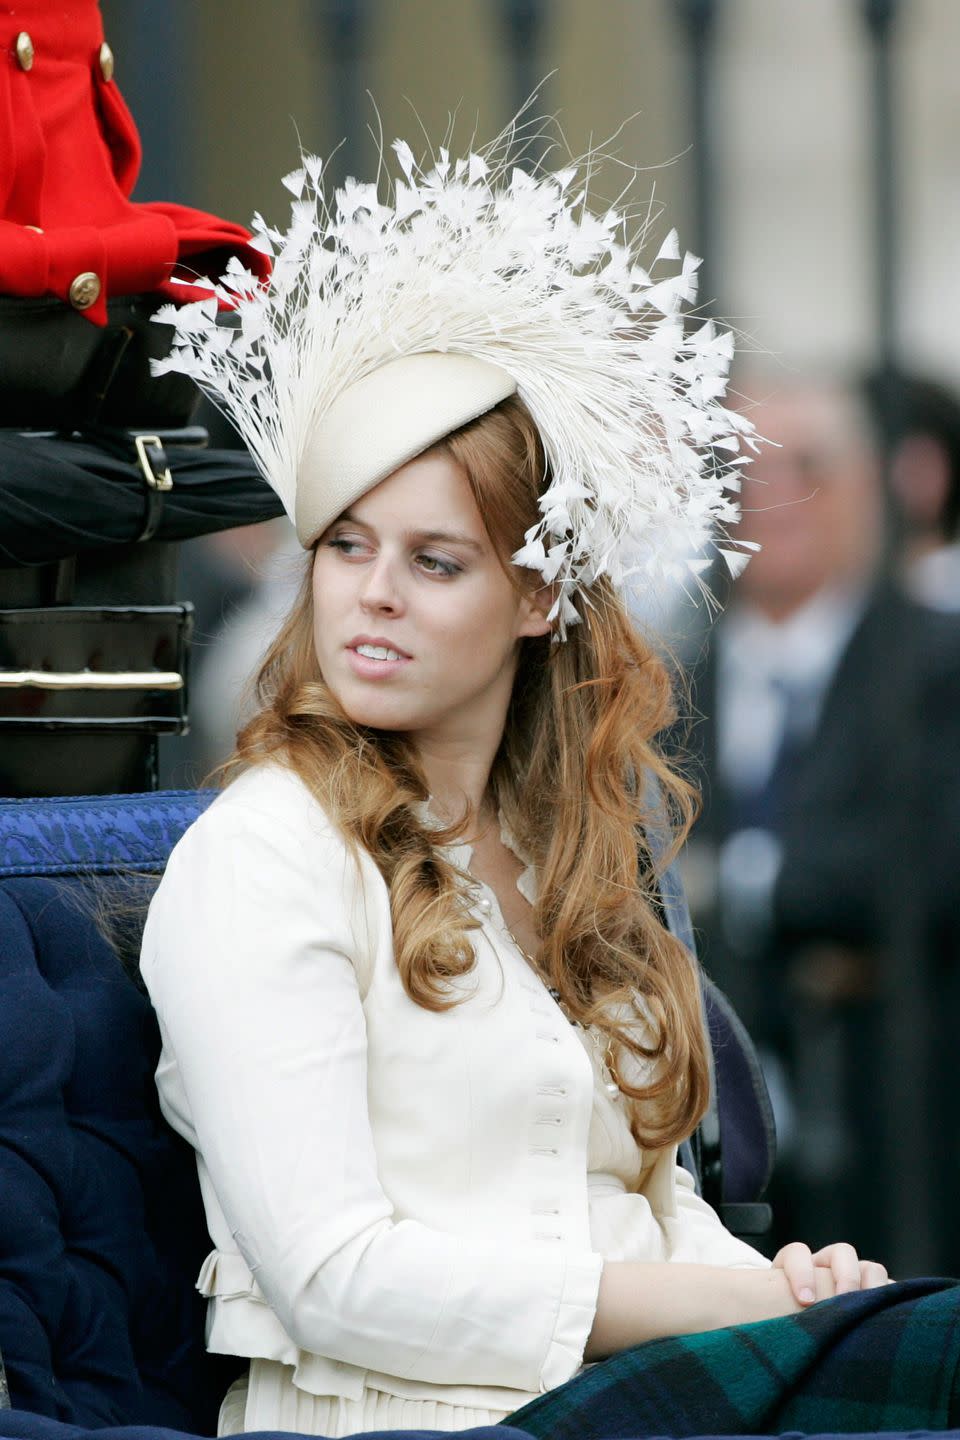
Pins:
x: 421, y: 1019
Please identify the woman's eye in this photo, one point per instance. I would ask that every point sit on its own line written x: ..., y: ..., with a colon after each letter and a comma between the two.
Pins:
x: 433, y: 565
x: 345, y: 545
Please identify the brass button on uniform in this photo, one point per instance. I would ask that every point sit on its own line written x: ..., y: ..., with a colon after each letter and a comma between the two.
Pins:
x: 106, y: 61
x: 85, y: 290
x: 25, y: 51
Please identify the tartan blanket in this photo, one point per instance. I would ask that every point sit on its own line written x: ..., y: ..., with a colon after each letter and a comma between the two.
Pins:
x: 883, y: 1359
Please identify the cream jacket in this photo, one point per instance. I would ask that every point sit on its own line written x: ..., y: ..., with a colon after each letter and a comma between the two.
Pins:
x: 411, y: 1201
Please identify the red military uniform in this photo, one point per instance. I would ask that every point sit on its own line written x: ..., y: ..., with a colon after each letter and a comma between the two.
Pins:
x: 69, y: 157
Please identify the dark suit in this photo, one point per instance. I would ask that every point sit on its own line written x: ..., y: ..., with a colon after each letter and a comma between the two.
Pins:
x: 854, y: 980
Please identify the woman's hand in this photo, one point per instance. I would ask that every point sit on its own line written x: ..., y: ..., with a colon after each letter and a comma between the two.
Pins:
x: 834, y: 1270
x: 645, y: 1300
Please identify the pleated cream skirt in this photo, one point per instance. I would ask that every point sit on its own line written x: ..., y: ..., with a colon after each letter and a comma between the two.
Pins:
x: 267, y: 1399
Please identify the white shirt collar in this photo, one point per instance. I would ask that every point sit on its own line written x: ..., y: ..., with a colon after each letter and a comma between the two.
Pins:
x: 802, y: 650
x: 460, y: 853
x: 771, y: 675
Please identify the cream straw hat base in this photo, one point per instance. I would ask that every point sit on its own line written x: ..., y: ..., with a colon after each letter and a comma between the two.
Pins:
x: 387, y: 418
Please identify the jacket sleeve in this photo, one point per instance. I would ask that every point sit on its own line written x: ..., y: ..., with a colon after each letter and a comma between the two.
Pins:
x: 691, y: 1230
x: 250, y: 955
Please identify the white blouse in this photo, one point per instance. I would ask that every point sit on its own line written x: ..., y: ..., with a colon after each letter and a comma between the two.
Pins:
x: 405, y: 1201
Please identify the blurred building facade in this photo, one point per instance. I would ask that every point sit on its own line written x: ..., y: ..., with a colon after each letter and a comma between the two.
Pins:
x: 791, y: 130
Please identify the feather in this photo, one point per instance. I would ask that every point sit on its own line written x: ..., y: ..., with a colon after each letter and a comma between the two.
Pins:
x: 489, y: 258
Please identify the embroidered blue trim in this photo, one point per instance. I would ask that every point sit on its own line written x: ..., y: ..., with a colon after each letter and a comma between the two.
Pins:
x: 94, y: 834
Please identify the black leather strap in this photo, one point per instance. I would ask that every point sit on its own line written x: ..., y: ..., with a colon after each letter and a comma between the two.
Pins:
x: 147, y: 453
x: 155, y: 468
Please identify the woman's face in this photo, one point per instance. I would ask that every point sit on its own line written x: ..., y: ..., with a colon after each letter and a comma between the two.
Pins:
x: 416, y: 624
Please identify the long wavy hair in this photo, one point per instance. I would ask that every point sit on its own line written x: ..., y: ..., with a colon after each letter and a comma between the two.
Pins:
x: 572, y: 778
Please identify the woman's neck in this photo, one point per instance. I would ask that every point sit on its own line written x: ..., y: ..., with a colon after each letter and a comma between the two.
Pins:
x: 456, y: 753
x: 457, y: 780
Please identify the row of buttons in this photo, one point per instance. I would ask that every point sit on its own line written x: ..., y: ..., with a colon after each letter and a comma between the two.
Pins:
x: 484, y: 904
x: 27, y: 53
x: 553, y: 1091
x: 84, y: 288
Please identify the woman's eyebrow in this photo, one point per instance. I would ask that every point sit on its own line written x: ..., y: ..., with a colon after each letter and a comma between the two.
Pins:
x: 419, y: 537
x: 443, y: 537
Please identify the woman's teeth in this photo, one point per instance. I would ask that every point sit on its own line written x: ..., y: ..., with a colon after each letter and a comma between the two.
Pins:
x: 378, y: 652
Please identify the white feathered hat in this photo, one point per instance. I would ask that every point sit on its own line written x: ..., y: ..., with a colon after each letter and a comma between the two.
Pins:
x: 391, y: 320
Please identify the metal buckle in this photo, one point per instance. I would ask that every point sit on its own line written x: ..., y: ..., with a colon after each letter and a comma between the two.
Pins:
x: 163, y: 481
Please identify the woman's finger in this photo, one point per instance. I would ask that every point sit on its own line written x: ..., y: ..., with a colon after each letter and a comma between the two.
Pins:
x: 872, y: 1273
x: 797, y: 1263
x: 844, y: 1265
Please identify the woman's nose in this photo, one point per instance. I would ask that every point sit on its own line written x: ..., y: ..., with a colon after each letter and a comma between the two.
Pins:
x: 380, y: 591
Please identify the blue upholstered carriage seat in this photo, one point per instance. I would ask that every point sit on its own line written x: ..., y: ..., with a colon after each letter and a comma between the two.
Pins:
x: 101, y: 1230
x: 101, y: 1227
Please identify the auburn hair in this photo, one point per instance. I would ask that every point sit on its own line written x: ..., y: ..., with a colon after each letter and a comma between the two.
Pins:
x: 578, y: 778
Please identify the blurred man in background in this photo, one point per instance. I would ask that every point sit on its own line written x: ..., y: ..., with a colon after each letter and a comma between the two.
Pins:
x: 830, y: 737
x: 923, y: 417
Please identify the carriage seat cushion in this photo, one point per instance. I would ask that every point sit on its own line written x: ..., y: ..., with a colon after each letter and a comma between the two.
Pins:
x: 101, y: 1227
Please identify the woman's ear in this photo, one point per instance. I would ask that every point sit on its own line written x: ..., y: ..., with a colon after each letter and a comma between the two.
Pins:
x: 534, y: 609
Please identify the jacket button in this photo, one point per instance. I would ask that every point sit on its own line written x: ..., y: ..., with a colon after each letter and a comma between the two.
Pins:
x: 85, y: 290
x: 25, y: 51
x: 106, y: 61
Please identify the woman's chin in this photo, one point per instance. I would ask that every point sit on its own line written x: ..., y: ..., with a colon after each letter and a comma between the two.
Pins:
x: 377, y: 712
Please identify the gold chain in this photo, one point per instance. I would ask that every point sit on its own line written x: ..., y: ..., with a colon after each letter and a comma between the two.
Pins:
x: 604, y: 1053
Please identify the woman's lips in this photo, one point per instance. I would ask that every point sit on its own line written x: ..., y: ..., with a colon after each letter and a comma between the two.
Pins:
x: 370, y: 667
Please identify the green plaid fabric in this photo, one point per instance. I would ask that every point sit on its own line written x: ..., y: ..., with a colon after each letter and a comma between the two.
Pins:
x: 883, y: 1359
